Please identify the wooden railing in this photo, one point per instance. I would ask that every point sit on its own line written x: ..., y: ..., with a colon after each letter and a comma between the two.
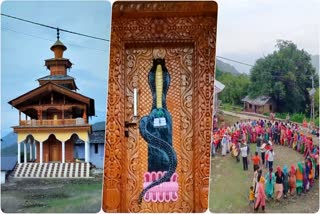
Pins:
x: 57, y: 122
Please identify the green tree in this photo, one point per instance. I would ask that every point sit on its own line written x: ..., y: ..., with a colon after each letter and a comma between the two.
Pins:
x: 285, y: 76
x: 218, y: 73
x: 236, y: 87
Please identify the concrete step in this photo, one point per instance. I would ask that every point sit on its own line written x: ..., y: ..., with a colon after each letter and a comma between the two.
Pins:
x: 52, y: 170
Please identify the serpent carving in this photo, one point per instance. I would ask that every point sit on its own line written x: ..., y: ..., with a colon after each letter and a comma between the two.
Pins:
x: 161, y: 154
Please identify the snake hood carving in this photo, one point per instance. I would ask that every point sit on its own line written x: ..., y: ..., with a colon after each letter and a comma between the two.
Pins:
x: 156, y: 128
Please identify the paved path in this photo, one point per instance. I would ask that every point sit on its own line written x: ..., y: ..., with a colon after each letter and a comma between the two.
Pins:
x: 244, y: 116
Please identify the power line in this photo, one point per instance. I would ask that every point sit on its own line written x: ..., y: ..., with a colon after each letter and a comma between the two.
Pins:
x: 232, y: 60
x: 85, y: 35
x: 56, y: 28
x: 38, y: 37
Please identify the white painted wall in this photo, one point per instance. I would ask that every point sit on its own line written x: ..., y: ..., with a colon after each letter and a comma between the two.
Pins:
x: 3, y: 177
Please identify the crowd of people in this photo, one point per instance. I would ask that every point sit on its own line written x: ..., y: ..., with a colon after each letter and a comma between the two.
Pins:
x: 275, y: 184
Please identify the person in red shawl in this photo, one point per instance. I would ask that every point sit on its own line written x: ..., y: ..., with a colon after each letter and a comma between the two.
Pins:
x: 254, y: 134
x: 289, y: 137
x: 308, y: 147
x: 304, y: 124
x: 295, y: 141
x: 282, y: 133
x: 292, y: 180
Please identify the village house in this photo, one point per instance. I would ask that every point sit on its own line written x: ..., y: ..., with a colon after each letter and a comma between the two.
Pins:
x: 218, y: 87
x: 56, y: 116
x: 260, y: 104
x: 96, y: 150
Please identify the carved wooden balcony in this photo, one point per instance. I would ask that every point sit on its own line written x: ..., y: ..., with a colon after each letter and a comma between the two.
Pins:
x: 56, y: 122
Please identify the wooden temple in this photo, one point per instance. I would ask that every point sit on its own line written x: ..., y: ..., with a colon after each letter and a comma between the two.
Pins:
x: 52, y: 117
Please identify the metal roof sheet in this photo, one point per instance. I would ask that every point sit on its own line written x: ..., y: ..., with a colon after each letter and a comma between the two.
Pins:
x: 218, y: 86
x: 259, y: 101
x: 57, y: 77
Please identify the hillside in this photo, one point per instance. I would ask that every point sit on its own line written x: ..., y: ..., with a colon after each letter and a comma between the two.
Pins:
x: 8, y: 140
x: 225, y: 67
x: 9, y: 144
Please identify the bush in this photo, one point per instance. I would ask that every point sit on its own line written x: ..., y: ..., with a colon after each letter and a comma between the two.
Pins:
x: 281, y: 115
x: 297, y: 117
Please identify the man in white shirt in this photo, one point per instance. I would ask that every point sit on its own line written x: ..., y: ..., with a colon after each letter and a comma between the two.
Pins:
x: 270, y: 158
x: 244, y: 154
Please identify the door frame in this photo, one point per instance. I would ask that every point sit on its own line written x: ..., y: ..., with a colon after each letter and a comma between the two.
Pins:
x: 54, y: 144
x: 143, y: 23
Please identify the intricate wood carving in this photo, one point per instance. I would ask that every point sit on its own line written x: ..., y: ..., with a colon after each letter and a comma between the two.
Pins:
x: 189, y: 43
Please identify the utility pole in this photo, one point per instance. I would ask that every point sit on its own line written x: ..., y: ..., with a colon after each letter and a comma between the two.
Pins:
x: 311, y: 93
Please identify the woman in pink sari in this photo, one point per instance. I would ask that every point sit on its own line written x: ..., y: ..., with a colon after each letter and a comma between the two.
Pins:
x: 295, y: 140
x: 257, y: 129
x: 282, y: 132
x: 254, y: 134
x: 261, y: 196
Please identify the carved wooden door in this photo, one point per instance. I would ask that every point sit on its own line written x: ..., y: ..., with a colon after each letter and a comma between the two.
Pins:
x: 179, y: 63
x: 183, y: 34
x: 54, y: 151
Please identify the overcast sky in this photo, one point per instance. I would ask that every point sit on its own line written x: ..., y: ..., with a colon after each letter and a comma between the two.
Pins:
x: 25, y: 47
x: 247, y: 30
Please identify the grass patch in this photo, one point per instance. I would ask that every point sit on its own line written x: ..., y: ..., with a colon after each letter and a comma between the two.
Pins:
x: 229, y: 184
x: 54, y: 196
x: 74, y: 198
x: 230, y: 107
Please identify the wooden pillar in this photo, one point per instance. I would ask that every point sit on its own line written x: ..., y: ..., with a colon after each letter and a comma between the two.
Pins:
x: 63, y: 114
x: 19, y: 117
x: 85, y: 114
x: 39, y: 114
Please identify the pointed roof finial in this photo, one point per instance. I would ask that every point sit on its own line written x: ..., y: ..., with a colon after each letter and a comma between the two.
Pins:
x: 58, y: 33
x: 58, y: 47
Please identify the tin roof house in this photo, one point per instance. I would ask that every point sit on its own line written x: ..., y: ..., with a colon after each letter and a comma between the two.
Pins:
x: 260, y: 104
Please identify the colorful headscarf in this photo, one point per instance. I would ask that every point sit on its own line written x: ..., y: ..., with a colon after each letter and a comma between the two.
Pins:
x: 285, y: 170
x: 279, y: 170
x: 293, y: 170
